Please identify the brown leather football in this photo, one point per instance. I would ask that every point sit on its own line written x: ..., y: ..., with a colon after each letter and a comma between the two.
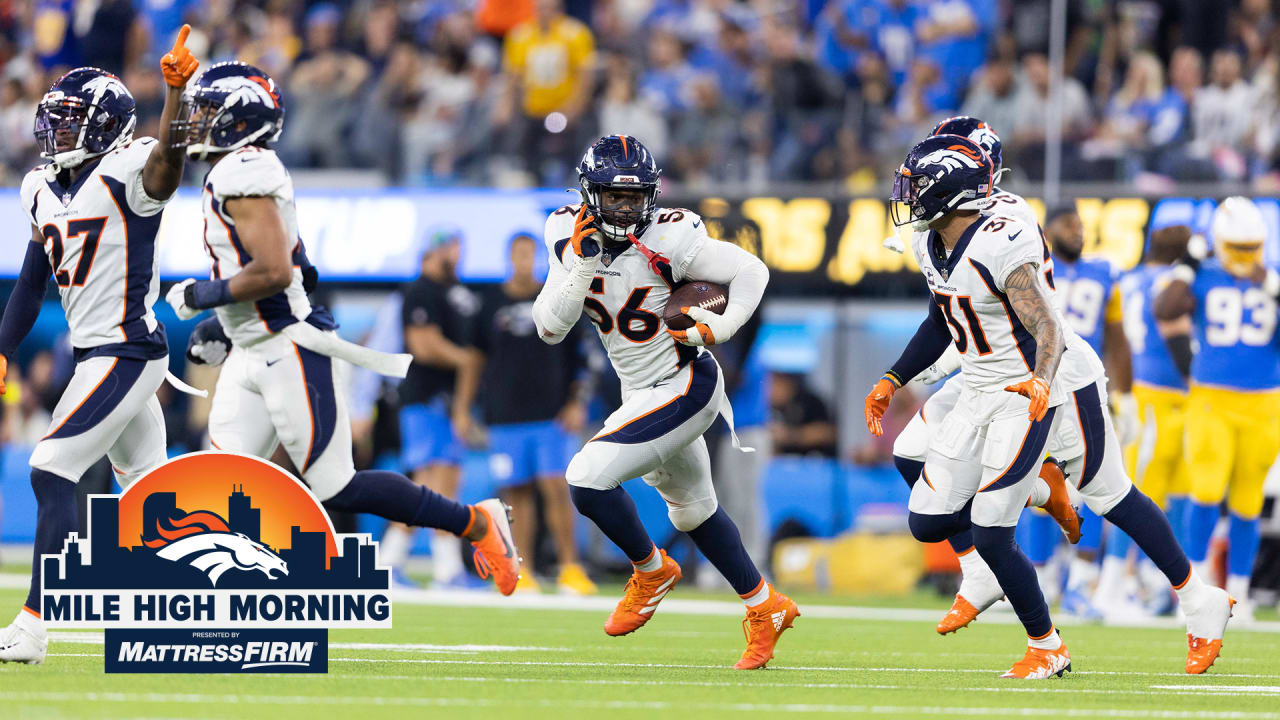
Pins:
x: 695, y: 293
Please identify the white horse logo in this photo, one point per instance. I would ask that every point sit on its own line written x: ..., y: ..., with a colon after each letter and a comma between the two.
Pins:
x: 214, y: 553
x: 950, y: 159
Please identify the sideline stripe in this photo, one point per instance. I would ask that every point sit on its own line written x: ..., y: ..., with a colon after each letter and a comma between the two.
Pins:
x: 685, y: 606
x: 682, y: 706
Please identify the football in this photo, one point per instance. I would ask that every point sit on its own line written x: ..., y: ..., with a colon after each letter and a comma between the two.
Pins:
x: 695, y: 293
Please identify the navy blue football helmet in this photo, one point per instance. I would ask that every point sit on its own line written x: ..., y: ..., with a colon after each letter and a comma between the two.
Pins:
x: 619, y: 162
x: 977, y: 131
x: 88, y: 112
x: 942, y: 174
x: 230, y: 105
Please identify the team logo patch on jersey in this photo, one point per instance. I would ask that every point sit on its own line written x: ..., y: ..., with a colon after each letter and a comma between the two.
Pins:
x: 215, y: 562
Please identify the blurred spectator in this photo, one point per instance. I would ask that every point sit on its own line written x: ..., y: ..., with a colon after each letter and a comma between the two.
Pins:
x: 1032, y: 115
x: 548, y: 63
x: 666, y: 83
x: 17, y: 119
x: 321, y: 94
x: 1221, y: 126
x: 805, y: 107
x: 1170, y: 132
x: 994, y: 96
x: 624, y: 111
x: 802, y: 423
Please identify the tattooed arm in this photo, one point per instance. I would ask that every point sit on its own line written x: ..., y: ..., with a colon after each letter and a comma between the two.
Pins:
x: 1030, y: 301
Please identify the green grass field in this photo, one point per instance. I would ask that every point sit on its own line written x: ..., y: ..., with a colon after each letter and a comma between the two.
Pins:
x: 455, y: 661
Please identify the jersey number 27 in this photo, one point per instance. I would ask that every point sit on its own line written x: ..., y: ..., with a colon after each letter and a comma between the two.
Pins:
x: 91, y: 229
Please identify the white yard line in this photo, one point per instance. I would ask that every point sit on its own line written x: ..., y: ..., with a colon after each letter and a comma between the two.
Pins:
x: 683, y: 606
x: 97, y: 638
x: 681, y: 706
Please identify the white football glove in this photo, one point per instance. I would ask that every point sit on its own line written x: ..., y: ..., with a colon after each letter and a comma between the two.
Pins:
x: 709, y: 328
x: 210, y: 352
x: 894, y: 243
x: 946, y: 364
x: 1124, y: 415
x: 175, y: 298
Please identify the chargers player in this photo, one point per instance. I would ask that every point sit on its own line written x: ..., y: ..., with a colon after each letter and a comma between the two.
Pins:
x: 991, y: 298
x: 1092, y: 306
x: 94, y: 210
x: 1160, y: 396
x: 1233, y: 405
x: 282, y: 371
x: 978, y: 587
x: 616, y: 257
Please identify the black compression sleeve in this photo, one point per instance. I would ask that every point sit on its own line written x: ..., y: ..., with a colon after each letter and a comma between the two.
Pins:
x: 925, y: 348
x: 1180, y: 350
x: 24, y: 303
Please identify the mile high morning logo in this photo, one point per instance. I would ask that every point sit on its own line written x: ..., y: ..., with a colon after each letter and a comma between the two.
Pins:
x: 215, y: 562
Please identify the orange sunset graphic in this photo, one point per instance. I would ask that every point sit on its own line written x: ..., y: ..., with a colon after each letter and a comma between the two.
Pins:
x: 214, y: 481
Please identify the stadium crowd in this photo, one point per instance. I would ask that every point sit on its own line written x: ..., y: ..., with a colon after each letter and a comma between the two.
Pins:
x: 504, y: 92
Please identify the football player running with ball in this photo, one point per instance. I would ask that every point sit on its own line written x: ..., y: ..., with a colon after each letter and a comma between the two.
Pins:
x: 283, y: 361
x: 94, y: 209
x: 617, y: 257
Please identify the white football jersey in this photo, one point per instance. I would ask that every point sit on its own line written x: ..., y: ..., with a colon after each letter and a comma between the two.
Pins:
x: 627, y: 297
x: 252, y: 172
x: 100, y: 236
x: 968, y: 286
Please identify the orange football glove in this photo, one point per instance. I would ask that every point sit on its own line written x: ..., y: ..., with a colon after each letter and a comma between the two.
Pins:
x: 582, y: 232
x: 178, y: 65
x: 4, y: 370
x: 877, y: 403
x: 701, y: 333
x: 1037, y: 391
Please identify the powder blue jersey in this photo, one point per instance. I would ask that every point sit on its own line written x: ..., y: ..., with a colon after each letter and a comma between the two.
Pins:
x: 1235, y: 328
x: 1089, y: 295
x: 1152, y: 364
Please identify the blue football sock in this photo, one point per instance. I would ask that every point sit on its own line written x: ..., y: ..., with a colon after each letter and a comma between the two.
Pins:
x: 1244, y: 538
x: 1017, y: 577
x: 910, y: 469
x: 614, y: 512
x: 1149, y: 528
x: 1090, y: 531
x: 1177, y: 513
x: 718, y: 539
x: 1200, y: 522
x: 396, y: 497
x: 1042, y: 537
x: 962, y: 541
x: 56, y: 516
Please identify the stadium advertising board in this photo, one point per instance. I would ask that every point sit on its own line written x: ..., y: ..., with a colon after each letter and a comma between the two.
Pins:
x: 810, y: 243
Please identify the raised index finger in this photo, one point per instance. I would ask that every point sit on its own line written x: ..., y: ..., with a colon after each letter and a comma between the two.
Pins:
x: 181, y: 42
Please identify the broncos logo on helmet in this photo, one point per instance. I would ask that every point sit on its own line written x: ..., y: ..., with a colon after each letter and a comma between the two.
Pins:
x: 942, y: 174
x: 88, y: 112
x: 203, y: 540
x: 230, y: 105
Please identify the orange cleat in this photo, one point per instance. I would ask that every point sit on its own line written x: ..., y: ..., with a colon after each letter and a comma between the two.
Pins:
x: 962, y: 613
x: 1040, y: 664
x: 643, y: 593
x: 763, y: 626
x: 1059, y: 506
x: 1203, y: 652
x: 496, y: 552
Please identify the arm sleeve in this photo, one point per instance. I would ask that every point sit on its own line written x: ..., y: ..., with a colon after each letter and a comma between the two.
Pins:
x: 740, y: 271
x: 926, y: 346
x: 1180, y: 352
x: 559, y: 303
x: 24, y: 302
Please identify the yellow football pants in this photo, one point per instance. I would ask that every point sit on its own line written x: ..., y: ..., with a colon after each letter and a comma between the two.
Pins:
x: 1155, y: 461
x: 1232, y: 437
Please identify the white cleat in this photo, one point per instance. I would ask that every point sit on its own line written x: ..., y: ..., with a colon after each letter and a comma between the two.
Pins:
x: 1206, y: 624
x: 25, y: 640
